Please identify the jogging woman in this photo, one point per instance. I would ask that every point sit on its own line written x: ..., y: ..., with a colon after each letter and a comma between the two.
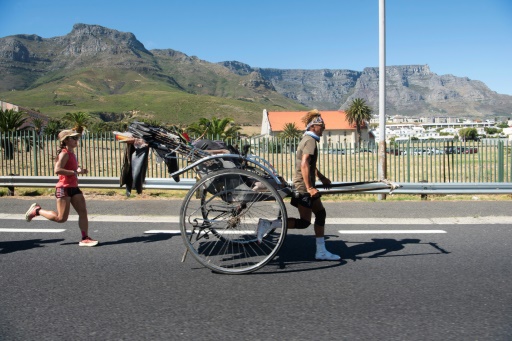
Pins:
x: 67, y: 191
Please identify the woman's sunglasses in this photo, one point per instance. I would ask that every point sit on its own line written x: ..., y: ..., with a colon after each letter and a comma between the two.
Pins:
x: 76, y: 138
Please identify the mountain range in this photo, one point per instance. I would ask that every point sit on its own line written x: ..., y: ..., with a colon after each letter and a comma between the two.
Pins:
x: 100, y: 70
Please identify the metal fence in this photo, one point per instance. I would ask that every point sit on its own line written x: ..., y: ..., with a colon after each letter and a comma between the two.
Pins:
x: 26, y: 154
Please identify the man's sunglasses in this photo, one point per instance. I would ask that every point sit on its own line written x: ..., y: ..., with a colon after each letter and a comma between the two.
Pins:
x: 76, y: 138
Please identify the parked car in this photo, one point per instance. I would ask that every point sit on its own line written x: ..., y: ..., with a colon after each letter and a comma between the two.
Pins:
x: 435, y: 151
x: 362, y: 150
x: 394, y: 151
x: 451, y: 150
x: 418, y: 151
x: 470, y: 150
x: 336, y: 151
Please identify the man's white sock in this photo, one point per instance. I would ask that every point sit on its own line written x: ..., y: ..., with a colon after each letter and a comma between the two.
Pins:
x: 320, y: 244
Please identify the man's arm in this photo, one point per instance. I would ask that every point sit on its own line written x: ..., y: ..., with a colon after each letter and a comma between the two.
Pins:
x: 325, y: 181
x: 304, y: 168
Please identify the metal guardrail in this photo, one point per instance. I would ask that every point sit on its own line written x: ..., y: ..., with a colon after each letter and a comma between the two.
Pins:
x: 94, y: 182
x: 449, y: 188
x: 186, y: 184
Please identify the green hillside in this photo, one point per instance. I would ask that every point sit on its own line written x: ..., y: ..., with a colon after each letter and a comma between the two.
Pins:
x: 145, y: 95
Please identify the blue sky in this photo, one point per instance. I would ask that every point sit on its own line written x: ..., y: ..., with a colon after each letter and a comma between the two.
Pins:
x: 470, y: 38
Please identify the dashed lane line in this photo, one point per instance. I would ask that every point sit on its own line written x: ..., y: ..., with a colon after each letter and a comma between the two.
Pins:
x: 106, y: 218
x: 477, y: 220
x: 340, y: 232
x: 33, y: 230
x: 390, y: 231
x: 423, y: 221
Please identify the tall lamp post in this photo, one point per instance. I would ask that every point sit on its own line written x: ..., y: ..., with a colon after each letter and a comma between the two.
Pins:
x: 381, y: 169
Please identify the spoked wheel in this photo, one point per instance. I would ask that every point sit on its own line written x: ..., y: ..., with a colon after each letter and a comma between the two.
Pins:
x: 219, y: 227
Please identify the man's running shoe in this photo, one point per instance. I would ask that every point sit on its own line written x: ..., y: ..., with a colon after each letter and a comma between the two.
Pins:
x: 265, y: 225
x: 326, y: 255
x: 87, y: 241
x: 32, y: 212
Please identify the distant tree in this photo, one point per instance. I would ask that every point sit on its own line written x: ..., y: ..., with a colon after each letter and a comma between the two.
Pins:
x: 78, y: 120
x: 99, y: 127
x: 10, y: 121
x: 53, y: 127
x: 357, y: 113
x: 105, y: 127
x: 223, y: 128
x: 290, y: 131
x: 38, y: 125
x: 468, y: 134
x: 491, y: 130
x: 502, y: 125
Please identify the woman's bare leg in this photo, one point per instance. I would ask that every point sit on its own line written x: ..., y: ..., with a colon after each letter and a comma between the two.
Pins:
x: 78, y: 202
x: 62, y: 213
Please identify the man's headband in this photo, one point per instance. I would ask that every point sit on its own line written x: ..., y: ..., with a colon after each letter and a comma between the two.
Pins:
x: 316, y: 120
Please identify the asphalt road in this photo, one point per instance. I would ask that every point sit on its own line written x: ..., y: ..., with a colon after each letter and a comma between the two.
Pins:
x: 410, y: 271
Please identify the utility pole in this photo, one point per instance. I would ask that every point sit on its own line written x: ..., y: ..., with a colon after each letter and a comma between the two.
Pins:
x: 381, y: 169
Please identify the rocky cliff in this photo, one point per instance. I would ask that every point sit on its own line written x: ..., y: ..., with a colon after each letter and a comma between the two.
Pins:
x: 29, y: 61
x: 410, y: 90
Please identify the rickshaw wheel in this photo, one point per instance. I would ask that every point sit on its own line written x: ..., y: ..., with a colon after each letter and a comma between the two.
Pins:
x: 219, y: 226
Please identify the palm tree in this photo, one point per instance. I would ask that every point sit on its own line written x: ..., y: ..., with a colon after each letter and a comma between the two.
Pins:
x: 290, y: 134
x: 217, y: 127
x: 10, y: 121
x: 53, y: 127
x: 79, y: 120
x: 38, y: 124
x: 357, y: 114
x: 290, y: 131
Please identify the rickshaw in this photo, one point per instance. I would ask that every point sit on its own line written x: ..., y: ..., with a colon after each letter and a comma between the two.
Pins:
x: 220, y: 213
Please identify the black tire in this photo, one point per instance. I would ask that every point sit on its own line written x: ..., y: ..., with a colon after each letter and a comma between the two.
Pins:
x: 219, y: 228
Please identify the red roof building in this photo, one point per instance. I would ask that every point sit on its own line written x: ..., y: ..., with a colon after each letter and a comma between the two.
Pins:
x: 337, y: 128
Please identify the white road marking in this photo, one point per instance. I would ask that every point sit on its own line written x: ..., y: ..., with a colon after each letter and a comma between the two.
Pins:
x: 106, y: 218
x: 389, y: 231
x: 422, y: 221
x: 33, y: 230
x: 134, y: 219
x: 489, y: 220
x: 477, y: 220
x: 188, y: 231
x: 163, y: 231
